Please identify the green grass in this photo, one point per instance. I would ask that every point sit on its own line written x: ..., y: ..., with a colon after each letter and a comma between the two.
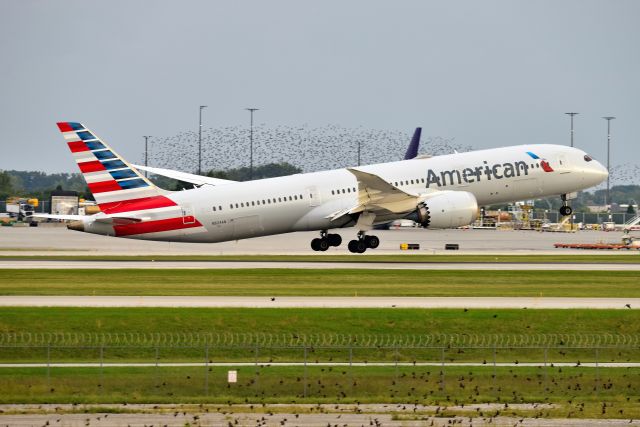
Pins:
x: 310, y: 282
x: 313, y: 321
x: 298, y: 322
x: 567, y: 387
x: 609, y: 258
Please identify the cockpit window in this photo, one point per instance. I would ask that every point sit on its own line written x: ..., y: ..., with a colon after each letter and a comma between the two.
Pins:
x: 587, y: 158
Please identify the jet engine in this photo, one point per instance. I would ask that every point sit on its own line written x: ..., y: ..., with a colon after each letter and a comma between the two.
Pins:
x: 447, y: 209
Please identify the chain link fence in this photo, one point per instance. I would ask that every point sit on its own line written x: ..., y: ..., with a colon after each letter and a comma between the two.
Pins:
x: 189, y: 339
x: 195, y: 367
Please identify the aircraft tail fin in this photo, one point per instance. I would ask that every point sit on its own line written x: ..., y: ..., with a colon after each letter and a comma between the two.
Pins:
x: 412, y: 150
x: 111, y: 179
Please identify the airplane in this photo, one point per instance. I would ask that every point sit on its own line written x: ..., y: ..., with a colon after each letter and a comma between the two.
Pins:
x: 437, y: 192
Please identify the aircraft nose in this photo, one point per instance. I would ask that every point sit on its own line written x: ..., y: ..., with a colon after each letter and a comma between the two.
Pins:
x: 598, y: 171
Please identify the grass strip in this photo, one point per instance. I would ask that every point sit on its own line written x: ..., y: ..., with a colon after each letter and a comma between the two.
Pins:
x: 320, y: 282
x: 393, y: 321
x: 580, y: 392
x: 609, y: 258
x: 180, y: 322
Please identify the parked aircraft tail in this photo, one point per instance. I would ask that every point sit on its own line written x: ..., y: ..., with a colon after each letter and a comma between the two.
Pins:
x: 412, y: 150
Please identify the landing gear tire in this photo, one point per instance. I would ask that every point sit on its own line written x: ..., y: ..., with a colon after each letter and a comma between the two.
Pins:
x: 318, y: 244
x: 566, y: 210
x: 323, y: 245
x: 315, y: 244
x: 372, y: 241
x: 357, y: 246
x: 325, y: 241
x: 334, y: 239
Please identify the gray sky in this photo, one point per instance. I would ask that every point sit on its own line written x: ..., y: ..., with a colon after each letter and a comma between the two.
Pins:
x: 489, y: 73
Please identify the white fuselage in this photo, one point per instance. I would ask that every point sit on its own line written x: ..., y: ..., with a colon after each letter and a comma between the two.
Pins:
x: 305, y: 202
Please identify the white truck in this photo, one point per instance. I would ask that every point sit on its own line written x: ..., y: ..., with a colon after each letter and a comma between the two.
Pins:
x: 21, y: 209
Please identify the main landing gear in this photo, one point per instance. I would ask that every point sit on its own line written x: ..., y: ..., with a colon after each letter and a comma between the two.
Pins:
x: 325, y: 241
x: 565, y: 209
x: 363, y: 242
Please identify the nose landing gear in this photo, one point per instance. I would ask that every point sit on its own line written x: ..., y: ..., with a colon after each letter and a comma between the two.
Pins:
x: 363, y: 242
x: 325, y: 241
x: 565, y: 209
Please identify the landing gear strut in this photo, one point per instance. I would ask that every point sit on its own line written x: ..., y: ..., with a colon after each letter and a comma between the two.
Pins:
x: 325, y: 241
x: 565, y: 209
x: 363, y: 242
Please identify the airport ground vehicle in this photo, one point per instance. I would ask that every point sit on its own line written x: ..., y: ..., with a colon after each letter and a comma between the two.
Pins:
x: 21, y: 208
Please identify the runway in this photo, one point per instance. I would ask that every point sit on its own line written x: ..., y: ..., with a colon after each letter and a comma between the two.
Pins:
x: 57, y: 240
x: 321, y: 302
x: 124, y: 264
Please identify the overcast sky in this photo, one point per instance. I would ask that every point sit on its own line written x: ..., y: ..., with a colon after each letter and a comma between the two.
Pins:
x: 488, y: 73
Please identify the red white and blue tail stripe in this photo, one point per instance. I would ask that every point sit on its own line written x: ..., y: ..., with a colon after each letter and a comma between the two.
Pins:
x: 135, y: 204
x: 109, y: 177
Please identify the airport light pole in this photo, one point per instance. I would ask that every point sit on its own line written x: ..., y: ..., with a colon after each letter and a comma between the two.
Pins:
x: 359, y: 150
x: 572, y: 114
x: 200, y: 140
x: 251, y: 110
x: 146, y: 153
x: 608, y: 201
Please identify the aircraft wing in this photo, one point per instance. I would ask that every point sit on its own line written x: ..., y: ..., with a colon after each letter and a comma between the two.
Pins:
x: 375, y: 193
x: 378, y: 196
x: 184, y: 176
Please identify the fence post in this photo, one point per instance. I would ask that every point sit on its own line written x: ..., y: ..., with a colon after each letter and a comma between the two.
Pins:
x: 257, y: 373
x: 351, y: 365
x: 49, y: 364
x: 442, y: 368
x: 395, y: 351
x: 157, y: 370
x: 304, y: 394
x: 101, y: 386
x: 597, y: 374
x: 206, y: 370
x: 546, y: 351
x: 495, y: 373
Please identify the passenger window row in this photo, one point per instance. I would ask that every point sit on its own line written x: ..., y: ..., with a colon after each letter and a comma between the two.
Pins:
x: 343, y: 191
x: 409, y: 182
x: 396, y: 183
x: 269, y: 201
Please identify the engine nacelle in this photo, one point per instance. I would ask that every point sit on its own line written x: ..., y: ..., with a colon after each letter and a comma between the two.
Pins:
x: 449, y: 209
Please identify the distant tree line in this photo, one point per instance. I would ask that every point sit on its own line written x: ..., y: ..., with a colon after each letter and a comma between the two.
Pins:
x: 40, y: 184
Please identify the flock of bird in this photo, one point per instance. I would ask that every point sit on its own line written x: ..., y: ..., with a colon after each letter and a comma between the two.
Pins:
x: 309, y: 148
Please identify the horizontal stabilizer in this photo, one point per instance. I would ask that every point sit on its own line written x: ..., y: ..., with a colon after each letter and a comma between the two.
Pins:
x: 115, y: 220
x: 184, y: 176
x: 60, y: 217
